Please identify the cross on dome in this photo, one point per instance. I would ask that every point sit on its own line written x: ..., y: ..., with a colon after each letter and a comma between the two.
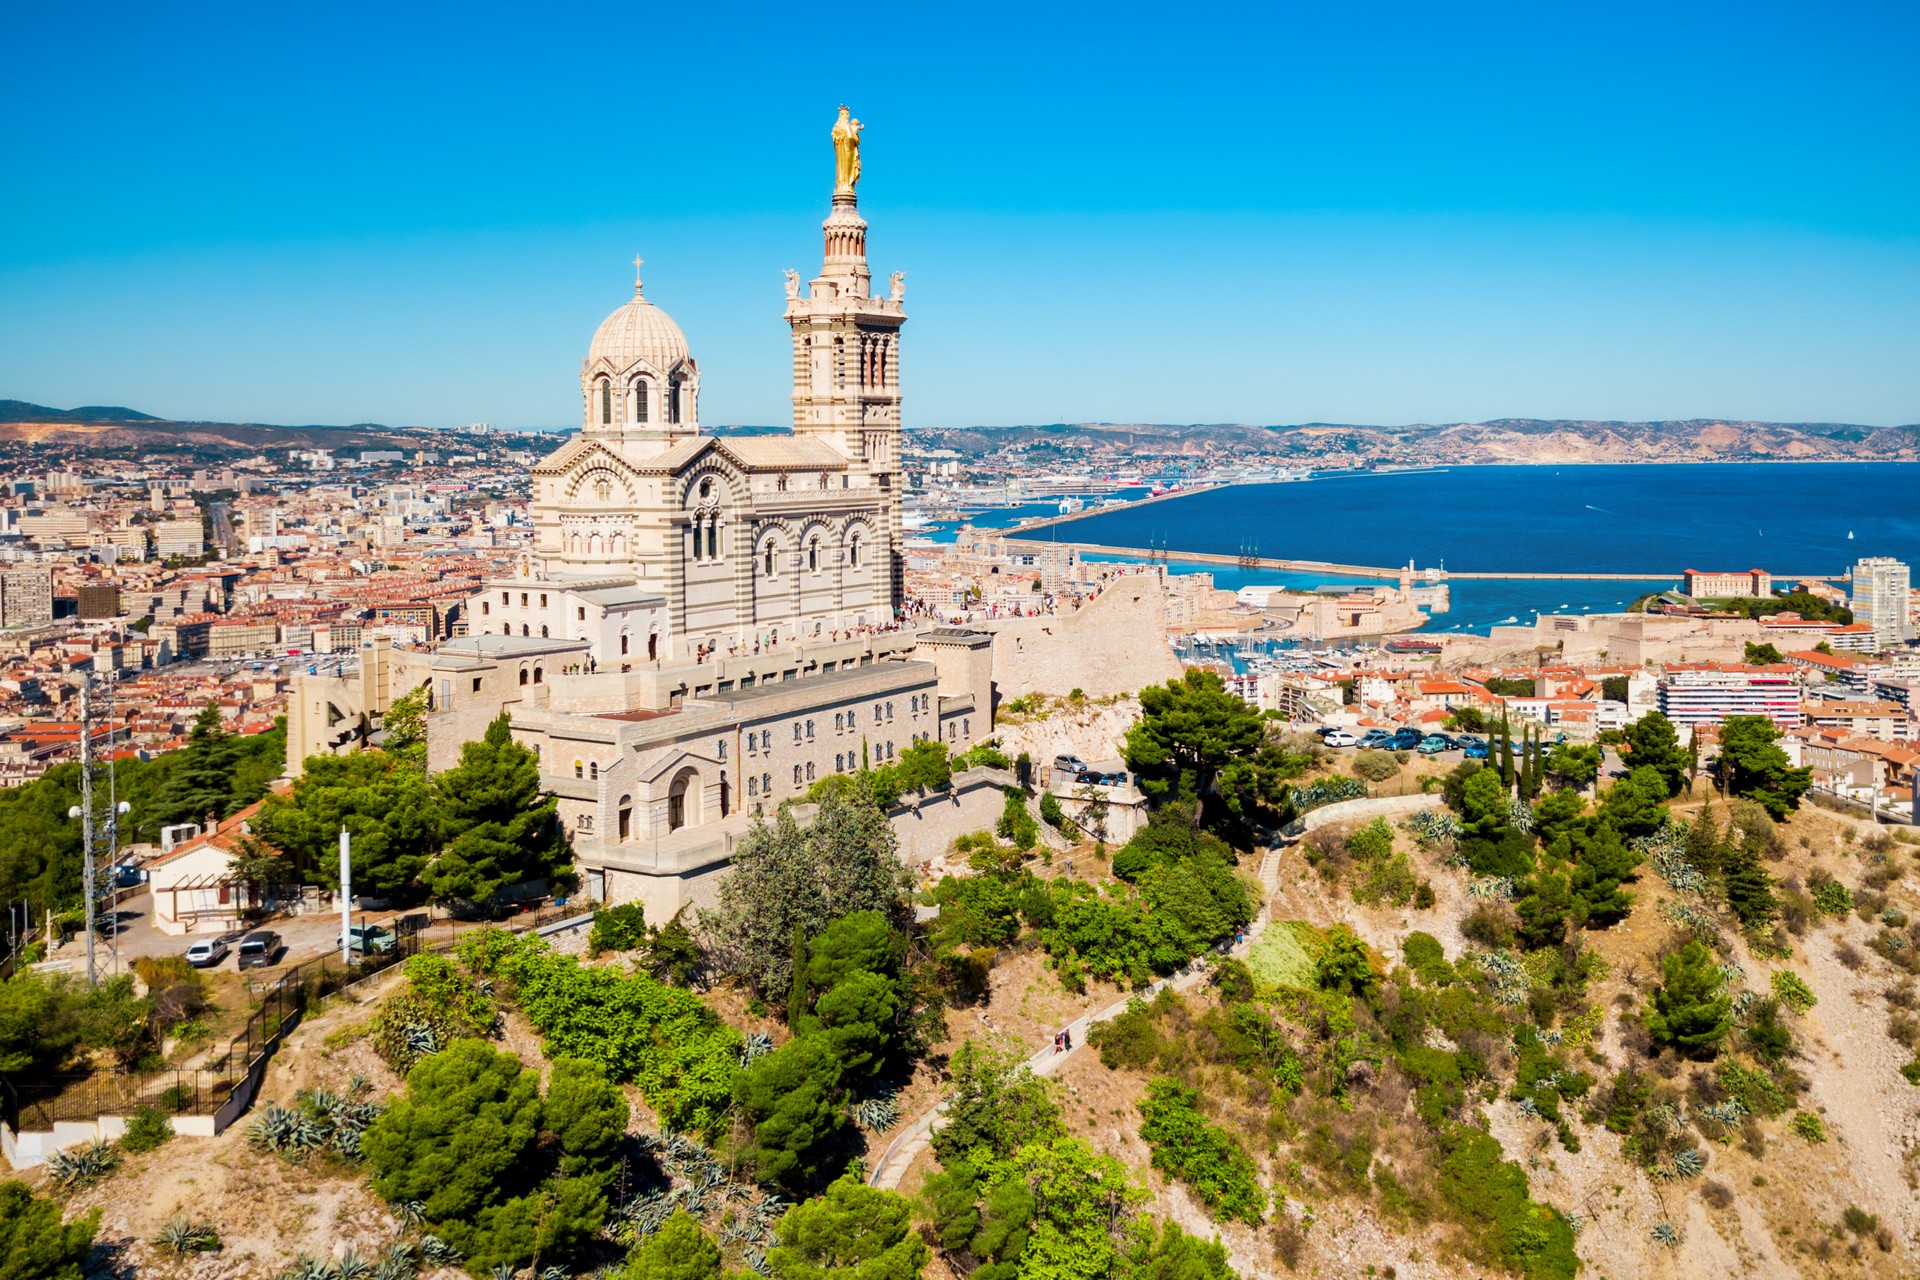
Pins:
x: 637, y: 260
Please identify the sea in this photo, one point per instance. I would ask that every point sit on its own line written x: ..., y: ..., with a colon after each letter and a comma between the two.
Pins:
x: 1652, y: 520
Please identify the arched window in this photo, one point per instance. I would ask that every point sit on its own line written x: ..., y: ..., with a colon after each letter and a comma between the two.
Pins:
x: 809, y: 771
x: 809, y: 729
x: 769, y: 564
x: 839, y: 722
x: 640, y: 400
x: 766, y: 784
x: 713, y: 539
x: 539, y: 674
x: 839, y: 762
x: 796, y: 775
x: 543, y: 631
x: 606, y: 401
x: 523, y: 675
x: 753, y: 786
x: 673, y: 400
x: 579, y: 769
x: 853, y: 551
x: 796, y: 731
x: 813, y: 556
x: 625, y: 640
x: 653, y: 646
x: 593, y: 770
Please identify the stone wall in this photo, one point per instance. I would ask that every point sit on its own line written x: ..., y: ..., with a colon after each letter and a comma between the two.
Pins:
x: 1117, y: 644
x: 928, y: 825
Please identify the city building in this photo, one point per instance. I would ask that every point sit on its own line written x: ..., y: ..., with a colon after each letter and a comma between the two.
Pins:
x: 1746, y: 584
x: 26, y: 596
x: 1881, y: 598
x: 1707, y: 693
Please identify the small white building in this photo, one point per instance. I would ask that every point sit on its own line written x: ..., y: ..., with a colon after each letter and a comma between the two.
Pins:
x: 194, y: 888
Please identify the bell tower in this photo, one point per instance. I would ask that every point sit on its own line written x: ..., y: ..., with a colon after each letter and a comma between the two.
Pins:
x: 846, y: 349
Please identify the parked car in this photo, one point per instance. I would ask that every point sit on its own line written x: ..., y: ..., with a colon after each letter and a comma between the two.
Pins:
x: 1072, y: 765
x: 207, y: 953
x: 1405, y: 740
x: 368, y: 939
x: 1434, y: 745
x: 1341, y: 738
x: 259, y: 949
x: 1474, y: 751
x: 1375, y: 738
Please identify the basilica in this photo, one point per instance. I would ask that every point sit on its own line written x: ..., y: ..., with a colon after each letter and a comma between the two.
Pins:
x: 702, y: 626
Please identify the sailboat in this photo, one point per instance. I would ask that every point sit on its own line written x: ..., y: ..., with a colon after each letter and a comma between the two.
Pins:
x: 1849, y: 535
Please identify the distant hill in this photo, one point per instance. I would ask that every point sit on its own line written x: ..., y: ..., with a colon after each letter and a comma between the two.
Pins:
x: 110, y: 427
x: 21, y: 411
x: 1516, y: 440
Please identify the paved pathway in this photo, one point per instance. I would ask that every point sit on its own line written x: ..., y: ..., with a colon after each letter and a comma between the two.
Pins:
x: 911, y: 1141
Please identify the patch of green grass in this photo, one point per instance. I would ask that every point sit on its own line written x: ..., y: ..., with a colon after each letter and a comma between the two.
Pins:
x: 1286, y: 954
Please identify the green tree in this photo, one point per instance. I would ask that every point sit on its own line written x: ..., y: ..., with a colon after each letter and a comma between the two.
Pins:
x: 1189, y: 730
x: 1491, y: 845
x: 1614, y: 688
x: 1636, y: 804
x: 1084, y: 1203
x: 404, y: 727
x: 851, y: 1232
x: 923, y: 767
x: 1344, y: 964
x: 1573, y: 764
x: 35, y: 1244
x: 495, y: 826
x: 785, y: 878
x: 38, y: 1023
x: 200, y: 782
x: 1691, y: 1009
x: 1747, y: 883
x: 1757, y: 768
x: 1205, y: 1156
x: 1762, y: 655
x: 1653, y: 744
x: 679, y: 1250
x: 1172, y: 1254
x: 586, y: 1113
x: 1603, y: 864
x: 384, y: 803
x: 793, y: 1097
x: 1544, y: 910
x: 461, y: 1139
x: 995, y: 1105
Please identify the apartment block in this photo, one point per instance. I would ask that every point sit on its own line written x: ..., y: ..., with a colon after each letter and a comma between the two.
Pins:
x: 1708, y: 693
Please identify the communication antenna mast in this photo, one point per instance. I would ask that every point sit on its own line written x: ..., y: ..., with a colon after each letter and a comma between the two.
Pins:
x: 107, y: 832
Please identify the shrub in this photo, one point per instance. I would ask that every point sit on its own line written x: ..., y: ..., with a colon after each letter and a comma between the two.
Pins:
x: 1016, y: 824
x: 1832, y: 897
x: 1050, y: 811
x: 1809, y: 1126
x: 1204, y: 1156
x: 1374, y: 765
x: 1793, y: 991
x: 1490, y: 1194
x: 1912, y: 1072
x: 1691, y: 1009
x: 618, y: 928
x: 34, y: 1243
x: 147, y: 1128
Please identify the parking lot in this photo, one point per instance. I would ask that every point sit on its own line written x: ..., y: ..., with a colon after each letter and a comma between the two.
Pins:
x: 303, y: 936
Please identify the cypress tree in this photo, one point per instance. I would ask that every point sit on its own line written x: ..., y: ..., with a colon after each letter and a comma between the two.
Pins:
x: 797, y: 992
x: 1748, y: 885
x: 1506, y: 753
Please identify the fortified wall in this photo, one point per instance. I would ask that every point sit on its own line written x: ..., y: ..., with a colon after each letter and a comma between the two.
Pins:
x: 1117, y: 644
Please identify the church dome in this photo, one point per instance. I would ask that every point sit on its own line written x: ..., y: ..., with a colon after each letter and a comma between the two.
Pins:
x: 637, y: 332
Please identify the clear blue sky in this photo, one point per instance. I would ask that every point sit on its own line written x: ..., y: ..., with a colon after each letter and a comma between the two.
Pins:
x: 1276, y: 213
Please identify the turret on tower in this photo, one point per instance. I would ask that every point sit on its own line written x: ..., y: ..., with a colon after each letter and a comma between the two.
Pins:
x: 846, y: 345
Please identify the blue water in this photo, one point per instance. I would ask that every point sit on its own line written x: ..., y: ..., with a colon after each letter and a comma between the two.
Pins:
x: 1656, y: 519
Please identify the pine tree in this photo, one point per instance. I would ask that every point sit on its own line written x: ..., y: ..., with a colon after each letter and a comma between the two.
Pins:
x: 1691, y: 1009
x: 200, y: 782
x: 497, y: 827
x: 1748, y: 884
x: 1605, y: 861
x: 1704, y: 849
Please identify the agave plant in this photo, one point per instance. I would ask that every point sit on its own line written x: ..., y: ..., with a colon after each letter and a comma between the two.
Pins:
x: 421, y: 1038
x: 79, y: 1166
x: 308, y: 1267
x: 877, y: 1114
x: 411, y: 1214
x: 181, y: 1236
x: 398, y: 1263
x: 756, y: 1046
x: 1667, y: 1234
x: 553, y: 1273
x: 1689, y: 1163
x: 501, y: 1271
x: 438, y: 1251
x: 351, y: 1266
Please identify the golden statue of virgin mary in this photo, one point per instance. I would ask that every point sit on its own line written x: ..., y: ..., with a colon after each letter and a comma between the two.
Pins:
x: 846, y: 151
